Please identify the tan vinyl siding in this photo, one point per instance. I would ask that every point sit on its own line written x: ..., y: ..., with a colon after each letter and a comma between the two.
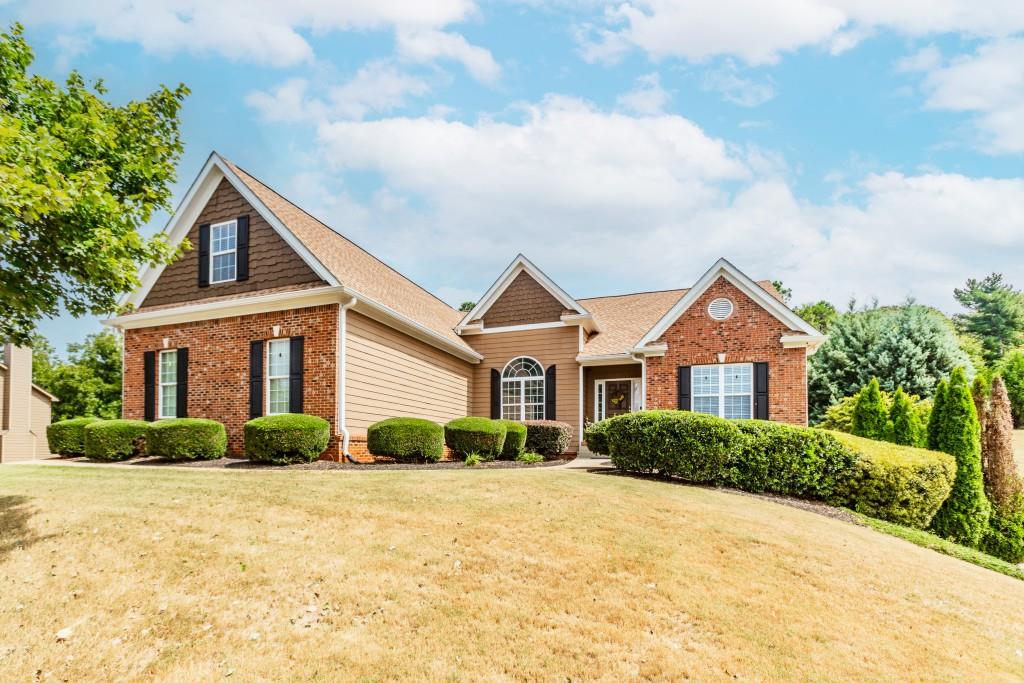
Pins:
x: 524, y: 301
x: 41, y: 415
x: 389, y: 374
x: 3, y: 398
x: 556, y: 345
x: 272, y: 263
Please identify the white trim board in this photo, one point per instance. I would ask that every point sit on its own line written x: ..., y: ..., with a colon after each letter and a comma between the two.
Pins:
x: 199, y: 193
x: 733, y: 275
x: 519, y: 264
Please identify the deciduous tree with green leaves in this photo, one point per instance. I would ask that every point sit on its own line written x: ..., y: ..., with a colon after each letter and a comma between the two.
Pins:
x: 1012, y: 372
x: 88, y: 384
x: 964, y: 516
x: 821, y: 314
x: 78, y: 178
x: 995, y: 317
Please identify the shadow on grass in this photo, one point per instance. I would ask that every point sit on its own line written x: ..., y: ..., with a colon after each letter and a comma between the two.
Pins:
x: 15, y: 533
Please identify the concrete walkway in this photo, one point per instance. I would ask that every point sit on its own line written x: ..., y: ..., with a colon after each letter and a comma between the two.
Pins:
x: 585, y: 460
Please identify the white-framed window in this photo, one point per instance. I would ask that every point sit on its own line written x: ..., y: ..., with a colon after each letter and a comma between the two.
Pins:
x: 522, y: 390
x: 168, y: 384
x: 724, y: 390
x: 223, y: 252
x: 278, y: 375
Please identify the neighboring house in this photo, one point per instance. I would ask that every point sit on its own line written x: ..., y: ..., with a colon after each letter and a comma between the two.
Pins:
x: 24, y: 408
x: 274, y: 312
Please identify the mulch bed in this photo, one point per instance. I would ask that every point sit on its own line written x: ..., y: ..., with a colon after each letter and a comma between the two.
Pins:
x: 243, y: 464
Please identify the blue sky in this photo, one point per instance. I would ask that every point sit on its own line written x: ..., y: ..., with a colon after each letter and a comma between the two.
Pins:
x: 852, y: 148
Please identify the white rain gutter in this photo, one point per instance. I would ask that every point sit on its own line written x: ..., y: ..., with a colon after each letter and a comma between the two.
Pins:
x: 342, y: 337
x: 642, y: 359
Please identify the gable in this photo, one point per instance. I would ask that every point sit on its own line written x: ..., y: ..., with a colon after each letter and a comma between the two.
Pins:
x: 524, y: 301
x: 272, y: 262
x: 750, y: 324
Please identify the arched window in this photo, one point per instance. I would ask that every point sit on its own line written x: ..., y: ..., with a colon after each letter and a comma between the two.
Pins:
x: 522, y: 390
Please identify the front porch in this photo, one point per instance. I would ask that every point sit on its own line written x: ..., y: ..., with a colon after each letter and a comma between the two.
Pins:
x: 610, y: 390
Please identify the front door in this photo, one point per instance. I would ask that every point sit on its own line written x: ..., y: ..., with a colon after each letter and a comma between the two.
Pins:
x: 618, y: 396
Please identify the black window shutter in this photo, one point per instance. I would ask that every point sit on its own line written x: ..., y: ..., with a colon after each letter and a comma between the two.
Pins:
x: 242, y: 249
x: 204, y: 255
x: 495, y: 395
x: 683, y: 388
x: 182, y: 383
x: 295, y: 374
x: 255, y: 379
x: 149, y: 382
x: 760, y: 391
x: 549, y: 393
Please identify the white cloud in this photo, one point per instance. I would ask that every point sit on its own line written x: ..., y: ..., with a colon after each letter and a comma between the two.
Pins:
x: 655, y: 200
x: 647, y: 98
x: 990, y: 83
x: 261, y: 31
x: 925, y: 59
x: 426, y: 45
x: 377, y: 87
x: 758, y: 31
x: 734, y: 88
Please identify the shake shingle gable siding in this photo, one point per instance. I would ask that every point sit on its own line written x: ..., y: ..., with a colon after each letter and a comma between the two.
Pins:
x: 269, y: 262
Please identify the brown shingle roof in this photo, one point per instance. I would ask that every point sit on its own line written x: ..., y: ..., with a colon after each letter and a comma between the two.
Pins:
x: 355, y: 267
x: 624, y: 319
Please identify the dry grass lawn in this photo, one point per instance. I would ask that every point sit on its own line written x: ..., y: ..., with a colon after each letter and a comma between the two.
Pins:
x: 174, y: 575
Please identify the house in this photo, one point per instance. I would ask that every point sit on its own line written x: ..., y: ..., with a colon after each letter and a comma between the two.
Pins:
x: 275, y: 312
x: 24, y: 408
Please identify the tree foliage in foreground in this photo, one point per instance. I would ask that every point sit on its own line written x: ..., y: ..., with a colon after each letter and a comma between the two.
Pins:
x: 78, y: 178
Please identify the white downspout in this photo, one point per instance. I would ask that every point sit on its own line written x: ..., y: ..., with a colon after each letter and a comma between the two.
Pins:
x: 643, y: 379
x: 342, y: 343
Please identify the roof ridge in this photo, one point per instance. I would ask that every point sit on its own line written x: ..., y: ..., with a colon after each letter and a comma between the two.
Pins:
x: 347, y: 239
x: 650, y: 291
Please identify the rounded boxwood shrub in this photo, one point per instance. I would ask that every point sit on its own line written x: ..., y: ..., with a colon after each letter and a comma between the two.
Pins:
x: 899, y: 484
x: 596, y: 436
x: 678, y: 443
x: 515, y: 439
x: 786, y: 459
x: 548, y: 437
x: 406, y: 439
x: 67, y: 437
x: 112, y: 440
x: 286, y: 439
x: 478, y: 435
x: 187, y: 438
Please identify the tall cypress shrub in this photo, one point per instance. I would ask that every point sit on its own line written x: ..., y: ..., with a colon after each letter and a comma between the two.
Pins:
x: 935, y: 418
x: 964, y: 516
x: 979, y: 392
x: 1002, y: 481
x: 870, y: 418
x: 906, y: 423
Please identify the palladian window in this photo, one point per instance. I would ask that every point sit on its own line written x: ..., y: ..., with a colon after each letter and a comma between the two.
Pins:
x: 522, y: 390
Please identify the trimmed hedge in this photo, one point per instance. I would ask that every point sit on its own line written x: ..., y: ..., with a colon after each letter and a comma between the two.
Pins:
x: 479, y: 435
x: 515, y: 439
x: 187, y: 438
x: 113, y: 440
x: 900, y: 484
x: 406, y: 439
x: 677, y: 443
x: 67, y: 437
x: 786, y: 459
x: 596, y: 436
x: 548, y: 437
x: 286, y: 439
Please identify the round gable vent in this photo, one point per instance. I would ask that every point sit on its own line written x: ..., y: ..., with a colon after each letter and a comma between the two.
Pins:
x: 720, y: 309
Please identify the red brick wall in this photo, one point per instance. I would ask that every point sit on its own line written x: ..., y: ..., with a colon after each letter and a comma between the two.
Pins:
x: 750, y: 335
x: 218, y: 366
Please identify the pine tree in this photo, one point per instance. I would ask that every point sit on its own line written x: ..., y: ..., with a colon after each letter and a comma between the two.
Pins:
x: 935, y: 418
x: 964, y: 516
x: 906, y: 423
x: 869, y: 416
x: 1002, y: 480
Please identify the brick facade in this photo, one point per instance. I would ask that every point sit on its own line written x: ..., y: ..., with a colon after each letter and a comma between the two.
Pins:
x: 751, y: 334
x: 218, y: 370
